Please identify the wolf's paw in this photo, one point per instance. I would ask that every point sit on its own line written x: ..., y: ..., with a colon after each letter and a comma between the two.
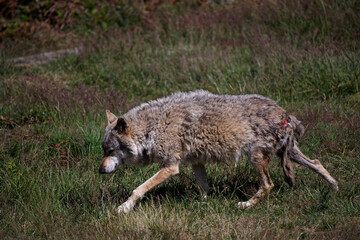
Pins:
x: 335, y: 187
x: 126, y: 207
x: 244, y: 205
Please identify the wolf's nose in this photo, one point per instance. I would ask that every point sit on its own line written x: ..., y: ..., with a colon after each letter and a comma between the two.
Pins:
x: 102, y: 170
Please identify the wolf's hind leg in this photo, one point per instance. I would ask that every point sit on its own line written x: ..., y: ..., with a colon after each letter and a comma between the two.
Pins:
x: 161, y: 176
x: 200, y: 175
x: 297, y: 156
x: 261, y: 164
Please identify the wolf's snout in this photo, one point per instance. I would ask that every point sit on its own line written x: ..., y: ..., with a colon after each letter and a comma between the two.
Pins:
x: 109, y: 165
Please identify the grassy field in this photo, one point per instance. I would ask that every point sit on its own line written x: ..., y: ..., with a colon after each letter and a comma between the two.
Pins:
x: 303, y: 54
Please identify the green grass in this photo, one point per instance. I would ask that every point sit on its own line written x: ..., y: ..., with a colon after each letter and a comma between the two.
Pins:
x: 52, y: 118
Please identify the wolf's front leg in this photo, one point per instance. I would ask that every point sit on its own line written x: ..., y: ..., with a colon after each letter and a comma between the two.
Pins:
x: 161, y: 176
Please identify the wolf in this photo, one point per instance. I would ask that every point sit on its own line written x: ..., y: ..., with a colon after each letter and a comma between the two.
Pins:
x: 200, y: 127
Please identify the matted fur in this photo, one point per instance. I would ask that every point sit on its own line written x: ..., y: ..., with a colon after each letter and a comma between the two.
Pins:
x: 198, y: 128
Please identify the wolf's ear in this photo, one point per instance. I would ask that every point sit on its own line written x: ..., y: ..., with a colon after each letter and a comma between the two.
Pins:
x: 122, y: 126
x: 110, y: 117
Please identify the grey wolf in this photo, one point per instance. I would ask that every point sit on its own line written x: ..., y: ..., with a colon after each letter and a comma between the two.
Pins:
x: 198, y: 128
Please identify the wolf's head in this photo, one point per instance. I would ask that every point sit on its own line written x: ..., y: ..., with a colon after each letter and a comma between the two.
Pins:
x: 118, y: 145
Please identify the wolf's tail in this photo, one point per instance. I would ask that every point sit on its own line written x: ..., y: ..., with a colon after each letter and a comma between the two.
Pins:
x: 297, y: 126
x: 293, y: 127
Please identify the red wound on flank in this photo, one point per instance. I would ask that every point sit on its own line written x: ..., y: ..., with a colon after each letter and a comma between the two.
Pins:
x: 285, y: 123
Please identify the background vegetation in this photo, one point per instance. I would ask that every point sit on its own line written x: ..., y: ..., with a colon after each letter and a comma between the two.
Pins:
x: 304, y: 54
